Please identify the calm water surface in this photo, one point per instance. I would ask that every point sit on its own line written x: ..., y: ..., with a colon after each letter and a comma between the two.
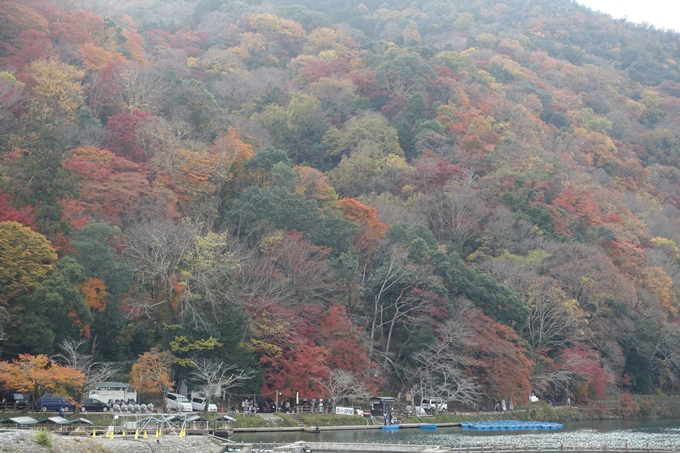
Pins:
x: 613, y: 434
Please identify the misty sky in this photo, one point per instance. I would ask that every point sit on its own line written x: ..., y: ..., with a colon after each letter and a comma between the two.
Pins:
x: 660, y: 13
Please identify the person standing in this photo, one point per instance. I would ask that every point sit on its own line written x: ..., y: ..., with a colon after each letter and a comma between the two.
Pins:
x: 385, y: 418
x: 62, y: 412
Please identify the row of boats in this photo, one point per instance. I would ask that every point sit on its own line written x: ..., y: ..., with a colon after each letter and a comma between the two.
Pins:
x: 510, y: 424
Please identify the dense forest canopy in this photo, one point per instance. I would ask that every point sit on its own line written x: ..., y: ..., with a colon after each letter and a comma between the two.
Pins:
x: 462, y: 199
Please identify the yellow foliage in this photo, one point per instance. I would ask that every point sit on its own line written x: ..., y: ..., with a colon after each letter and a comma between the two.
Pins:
x: 634, y: 108
x: 325, y: 39
x: 58, y: 85
x: 665, y: 244
x: 267, y: 22
x: 26, y: 257
x: 268, y: 349
x: 217, y: 62
x: 270, y: 242
x: 534, y: 258
x: 411, y: 33
x: 94, y: 292
x: 657, y: 281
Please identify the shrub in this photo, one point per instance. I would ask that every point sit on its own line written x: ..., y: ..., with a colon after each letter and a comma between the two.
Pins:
x: 43, y: 438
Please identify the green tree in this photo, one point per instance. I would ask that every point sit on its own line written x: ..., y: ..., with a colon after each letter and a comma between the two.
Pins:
x: 497, y: 301
x: 93, y: 244
x: 57, y: 308
x: 296, y: 128
x: 40, y: 180
x: 368, y: 128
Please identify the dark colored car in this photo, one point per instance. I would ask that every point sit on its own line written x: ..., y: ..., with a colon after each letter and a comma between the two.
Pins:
x: 49, y: 402
x: 13, y: 400
x: 93, y: 405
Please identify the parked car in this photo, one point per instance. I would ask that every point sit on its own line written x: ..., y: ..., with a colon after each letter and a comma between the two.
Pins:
x: 93, y: 405
x: 14, y: 400
x: 177, y: 402
x: 431, y: 405
x: 50, y: 402
x: 198, y: 404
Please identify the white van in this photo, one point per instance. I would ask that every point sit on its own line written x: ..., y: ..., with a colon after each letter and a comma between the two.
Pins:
x: 177, y: 402
x: 198, y: 404
x: 432, y: 405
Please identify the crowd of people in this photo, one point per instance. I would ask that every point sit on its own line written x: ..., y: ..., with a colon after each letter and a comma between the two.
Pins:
x: 315, y: 406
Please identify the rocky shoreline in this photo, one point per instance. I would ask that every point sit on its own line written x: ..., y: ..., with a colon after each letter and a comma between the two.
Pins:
x: 25, y: 441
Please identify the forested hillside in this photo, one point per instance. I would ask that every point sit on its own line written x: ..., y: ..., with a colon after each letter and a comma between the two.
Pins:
x: 465, y: 199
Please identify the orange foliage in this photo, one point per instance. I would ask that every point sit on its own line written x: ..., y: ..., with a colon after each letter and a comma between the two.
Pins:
x: 150, y: 374
x: 231, y: 149
x: 38, y: 374
x: 96, y: 59
x: 95, y: 293
x: 372, y: 229
x: 135, y: 44
x: 314, y: 185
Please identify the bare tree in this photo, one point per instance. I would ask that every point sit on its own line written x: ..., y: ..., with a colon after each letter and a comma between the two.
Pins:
x: 10, y: 97
x: 157, y: 246
x: 441, y: 374
x: 397, y: 290
x: 456, y: 213
x: 145, y: 89
x: 95, y: 372
x: 342, y: 384
x: 666, y: 354
x: 217, y: 377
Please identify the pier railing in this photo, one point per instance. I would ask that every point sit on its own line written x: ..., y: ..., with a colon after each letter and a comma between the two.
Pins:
x: 326, y: 447
x: 562, y: 448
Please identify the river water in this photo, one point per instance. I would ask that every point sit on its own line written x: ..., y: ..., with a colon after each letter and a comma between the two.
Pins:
x: 613, y: 434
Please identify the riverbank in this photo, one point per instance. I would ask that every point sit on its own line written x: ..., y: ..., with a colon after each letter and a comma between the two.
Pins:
x: 30, y: 441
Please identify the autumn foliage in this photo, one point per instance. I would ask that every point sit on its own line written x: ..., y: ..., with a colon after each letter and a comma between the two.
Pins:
x: 330, y: 193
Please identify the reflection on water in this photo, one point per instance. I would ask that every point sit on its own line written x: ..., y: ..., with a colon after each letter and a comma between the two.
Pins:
x: 613, y: 434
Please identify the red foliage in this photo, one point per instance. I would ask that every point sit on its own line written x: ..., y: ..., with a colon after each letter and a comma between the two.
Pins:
x: 315, y: 70
x: 341, y: 338
x: 366, y: 84
x: 394, y: 106
x: 121, y: 134
x: 581, y: 204
x: 185, y: 39
x: 584, y: 362
x: 74, y: 213
x: 291, y: 362
x: 30, y: 45
x: 24, y: 215
x: 111, y: 185
x: 502, y: 367
x: 431, y: 172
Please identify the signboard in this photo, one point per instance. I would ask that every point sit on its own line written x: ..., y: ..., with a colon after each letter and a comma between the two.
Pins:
x: 344, y: 411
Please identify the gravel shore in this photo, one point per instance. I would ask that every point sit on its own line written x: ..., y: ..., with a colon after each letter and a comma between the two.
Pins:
x: 24, y: 441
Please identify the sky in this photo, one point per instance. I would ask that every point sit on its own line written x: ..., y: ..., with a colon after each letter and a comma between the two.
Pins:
x: 660, y: 13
